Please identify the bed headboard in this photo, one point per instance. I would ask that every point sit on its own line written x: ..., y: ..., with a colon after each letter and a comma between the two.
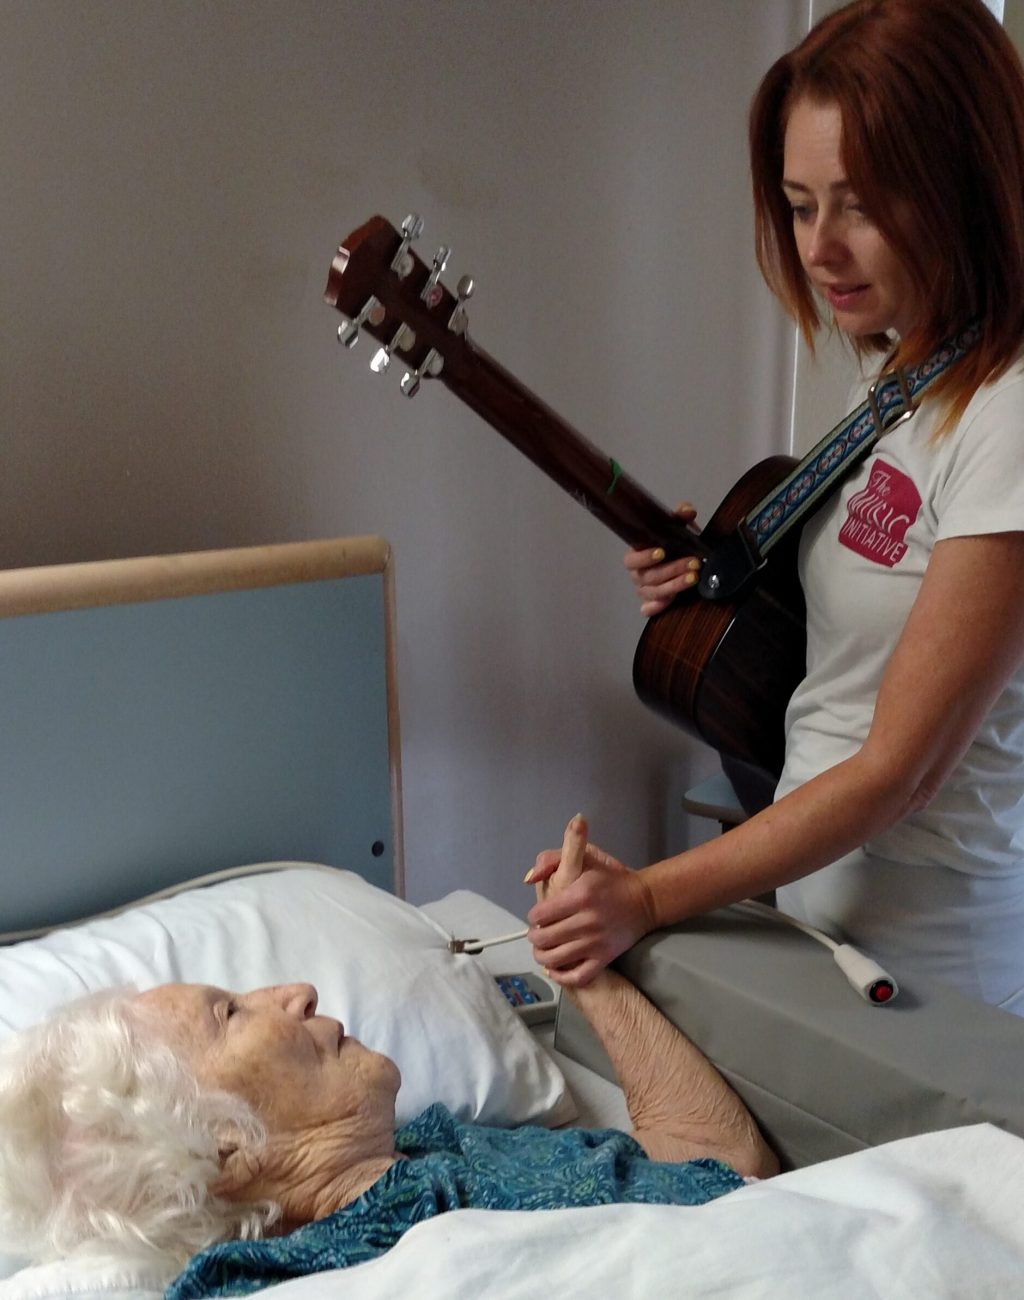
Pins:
x: 169, y: 716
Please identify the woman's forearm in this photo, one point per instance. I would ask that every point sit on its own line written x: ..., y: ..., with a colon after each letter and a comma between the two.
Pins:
x: 961, y: 643
x: 809, y: 828
x: 680, y: 1106
x: 600, y: 914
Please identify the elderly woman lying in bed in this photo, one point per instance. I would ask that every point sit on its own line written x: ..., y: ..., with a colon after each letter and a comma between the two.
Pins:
x: 186, y: 1116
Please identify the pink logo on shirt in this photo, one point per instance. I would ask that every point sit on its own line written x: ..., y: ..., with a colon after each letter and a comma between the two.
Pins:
x: 880, y: 514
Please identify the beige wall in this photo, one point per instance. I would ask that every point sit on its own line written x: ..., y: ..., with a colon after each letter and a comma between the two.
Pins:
x: 1013, y: 20
x: 176, y: 177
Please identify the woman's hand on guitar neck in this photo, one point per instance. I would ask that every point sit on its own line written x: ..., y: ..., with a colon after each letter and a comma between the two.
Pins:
x: 659, y: 582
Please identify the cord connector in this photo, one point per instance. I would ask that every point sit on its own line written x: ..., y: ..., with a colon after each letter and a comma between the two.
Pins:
x: 473, y: 947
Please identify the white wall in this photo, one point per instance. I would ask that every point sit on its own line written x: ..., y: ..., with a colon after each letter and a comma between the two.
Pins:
x: 176, y: 178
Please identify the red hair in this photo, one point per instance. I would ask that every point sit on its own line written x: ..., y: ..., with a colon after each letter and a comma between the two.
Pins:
x: 931, y: 95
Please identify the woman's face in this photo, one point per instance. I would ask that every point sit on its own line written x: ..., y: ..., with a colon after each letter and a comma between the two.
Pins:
x: 298, y: 1070
x: 841, y: 249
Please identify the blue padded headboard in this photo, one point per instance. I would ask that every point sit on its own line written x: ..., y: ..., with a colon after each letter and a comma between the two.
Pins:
x: 170, y: 716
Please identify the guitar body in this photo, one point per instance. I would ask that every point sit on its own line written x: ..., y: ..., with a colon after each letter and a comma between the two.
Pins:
x: 724, y: 671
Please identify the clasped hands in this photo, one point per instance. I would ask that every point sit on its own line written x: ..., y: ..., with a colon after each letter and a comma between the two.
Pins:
x: 589, y: 909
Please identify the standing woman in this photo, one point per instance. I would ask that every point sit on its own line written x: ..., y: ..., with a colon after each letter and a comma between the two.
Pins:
x: 887, y: 154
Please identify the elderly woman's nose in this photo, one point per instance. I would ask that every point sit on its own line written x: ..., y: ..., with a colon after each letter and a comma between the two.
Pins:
x: 298, y: 1000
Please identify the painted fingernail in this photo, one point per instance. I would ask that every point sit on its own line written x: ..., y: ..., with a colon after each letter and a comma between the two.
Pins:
x: 529, y: 876
x: 689, y: 579
x: 657, y: 555
x: 693, y: 565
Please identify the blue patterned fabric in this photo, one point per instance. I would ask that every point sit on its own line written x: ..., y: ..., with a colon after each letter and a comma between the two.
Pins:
x: 451, y: 1166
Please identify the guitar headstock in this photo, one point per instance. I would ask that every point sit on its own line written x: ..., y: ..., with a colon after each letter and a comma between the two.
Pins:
x: 381, y: 286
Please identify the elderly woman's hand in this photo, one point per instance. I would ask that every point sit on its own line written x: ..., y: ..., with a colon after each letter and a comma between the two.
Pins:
x: 555, y: 870
x: 590, y: 908
x: 659, y: 582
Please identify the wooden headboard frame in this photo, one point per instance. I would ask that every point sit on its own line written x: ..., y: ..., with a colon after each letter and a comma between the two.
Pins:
x: 169, y: 716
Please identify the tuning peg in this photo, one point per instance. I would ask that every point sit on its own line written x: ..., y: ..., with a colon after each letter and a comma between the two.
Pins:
x: 403, y: 337
x: 432, y: 365
x: 412, y: 228
x: 458, y: 320
x: 432, y: 292
x: 372, y: 311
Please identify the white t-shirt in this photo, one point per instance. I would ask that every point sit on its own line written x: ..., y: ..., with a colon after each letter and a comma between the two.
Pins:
x: 942, y: 892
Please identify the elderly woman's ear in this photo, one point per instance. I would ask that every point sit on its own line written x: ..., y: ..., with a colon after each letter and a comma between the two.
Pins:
x: 240, y: 1166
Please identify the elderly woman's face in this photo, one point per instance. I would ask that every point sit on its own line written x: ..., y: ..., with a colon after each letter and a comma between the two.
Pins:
x: 297, y: 1069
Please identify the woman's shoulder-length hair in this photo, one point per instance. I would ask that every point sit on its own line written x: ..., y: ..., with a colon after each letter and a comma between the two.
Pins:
x: 931, y: 95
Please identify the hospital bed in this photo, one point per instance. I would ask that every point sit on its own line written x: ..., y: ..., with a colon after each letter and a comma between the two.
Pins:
x: 200, y: 780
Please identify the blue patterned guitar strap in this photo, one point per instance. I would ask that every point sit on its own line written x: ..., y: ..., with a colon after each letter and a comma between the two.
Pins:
x: 891, y: 399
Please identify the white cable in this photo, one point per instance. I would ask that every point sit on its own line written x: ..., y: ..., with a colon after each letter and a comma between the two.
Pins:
x: 763, y: 909
x: 474, y: 946
x: 865, y: 975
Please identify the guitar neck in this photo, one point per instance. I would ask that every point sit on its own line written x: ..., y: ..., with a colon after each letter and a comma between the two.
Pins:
x: 592, y: 478
x: 381, y: 286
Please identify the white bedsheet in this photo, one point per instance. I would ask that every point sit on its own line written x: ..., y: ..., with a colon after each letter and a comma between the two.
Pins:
x: 938, y: 1217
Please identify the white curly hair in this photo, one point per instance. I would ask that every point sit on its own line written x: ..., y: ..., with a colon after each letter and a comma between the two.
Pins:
x: 109, y: 1144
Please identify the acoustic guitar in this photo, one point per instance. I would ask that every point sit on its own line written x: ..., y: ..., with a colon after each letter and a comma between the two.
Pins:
x: 724, y: 659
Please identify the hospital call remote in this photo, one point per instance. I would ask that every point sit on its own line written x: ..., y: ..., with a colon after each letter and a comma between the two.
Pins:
x: 532, y: 998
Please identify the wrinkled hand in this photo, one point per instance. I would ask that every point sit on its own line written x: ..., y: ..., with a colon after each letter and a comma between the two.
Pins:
x: 563, y: 867
x: 590, y: 908
x: 659, y: 583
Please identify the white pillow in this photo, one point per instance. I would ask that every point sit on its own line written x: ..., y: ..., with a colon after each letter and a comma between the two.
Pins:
x: 379, y: 964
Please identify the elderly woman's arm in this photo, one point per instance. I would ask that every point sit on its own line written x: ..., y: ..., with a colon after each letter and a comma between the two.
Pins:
x: 680, y: 1106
